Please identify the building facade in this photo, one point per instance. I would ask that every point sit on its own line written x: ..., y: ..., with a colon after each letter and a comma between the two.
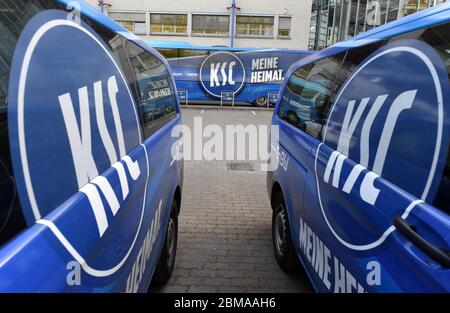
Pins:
x: 263, y: 23
x: 337, y: 20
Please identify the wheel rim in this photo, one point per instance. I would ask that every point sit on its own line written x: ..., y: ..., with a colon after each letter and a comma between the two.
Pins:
x: 171, y: 236
x: 261, y: 101
x: 280, y: 230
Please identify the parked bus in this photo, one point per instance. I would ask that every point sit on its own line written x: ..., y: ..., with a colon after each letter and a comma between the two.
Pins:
x: 224, y: 75
x: 89, y: 187
x: 360, y: 188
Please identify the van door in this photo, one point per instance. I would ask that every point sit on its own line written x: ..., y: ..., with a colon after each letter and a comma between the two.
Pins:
x: 381, y: 170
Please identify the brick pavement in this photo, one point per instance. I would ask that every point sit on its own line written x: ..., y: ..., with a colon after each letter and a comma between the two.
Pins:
x: 224, y: 242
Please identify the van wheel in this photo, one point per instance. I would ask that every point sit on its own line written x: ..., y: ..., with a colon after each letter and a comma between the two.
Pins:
x: 166, y: 261
x: 261, y: 101
x: 281, y: 236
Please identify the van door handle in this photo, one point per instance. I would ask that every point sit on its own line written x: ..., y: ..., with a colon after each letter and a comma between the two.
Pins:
x: 409, y: 232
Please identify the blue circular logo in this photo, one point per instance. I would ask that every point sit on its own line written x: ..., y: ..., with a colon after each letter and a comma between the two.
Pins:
x: 221, y: 74
x: 385, y: 127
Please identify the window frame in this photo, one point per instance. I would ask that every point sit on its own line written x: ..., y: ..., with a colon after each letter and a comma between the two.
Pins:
x: 122, y: 21
x: 290, y: 27
x: 195, y: 34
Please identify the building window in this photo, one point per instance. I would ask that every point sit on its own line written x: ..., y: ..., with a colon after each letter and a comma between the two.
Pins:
x: 284, y: 27
x: 168, y: 23
x: 254, y: 26
x: 133, y: 22
x: 210, y: 24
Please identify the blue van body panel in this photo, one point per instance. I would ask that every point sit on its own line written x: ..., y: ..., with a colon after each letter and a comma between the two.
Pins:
x: 102, y: 233
x: 344, y: 244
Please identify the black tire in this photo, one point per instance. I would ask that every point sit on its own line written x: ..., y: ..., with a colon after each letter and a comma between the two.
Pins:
x: 261, y: 102
x: 166, y: 262
x: 281, y: 236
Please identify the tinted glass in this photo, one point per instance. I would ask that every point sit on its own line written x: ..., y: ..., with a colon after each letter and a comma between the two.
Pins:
x: 155, y: 95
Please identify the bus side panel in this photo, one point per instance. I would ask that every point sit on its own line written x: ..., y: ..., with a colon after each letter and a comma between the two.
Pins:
x: 254, y: 75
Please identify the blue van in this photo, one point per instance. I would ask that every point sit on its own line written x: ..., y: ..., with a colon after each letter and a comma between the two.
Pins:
x: 360, y: 184
x: 90, y: 181
x: 227, y: 75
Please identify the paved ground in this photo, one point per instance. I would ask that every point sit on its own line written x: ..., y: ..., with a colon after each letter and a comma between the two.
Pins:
x: 225, y: 224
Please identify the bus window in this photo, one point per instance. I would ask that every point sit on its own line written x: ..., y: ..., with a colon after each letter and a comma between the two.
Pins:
x: 155, y: 94
x: 306, y: 99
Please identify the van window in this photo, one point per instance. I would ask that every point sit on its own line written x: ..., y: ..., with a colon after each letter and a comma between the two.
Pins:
x: 155, y: 99
x: 14, y: 15
x: 306, y: 99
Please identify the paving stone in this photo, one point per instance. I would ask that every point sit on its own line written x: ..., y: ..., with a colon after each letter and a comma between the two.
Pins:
x: 225, y: 224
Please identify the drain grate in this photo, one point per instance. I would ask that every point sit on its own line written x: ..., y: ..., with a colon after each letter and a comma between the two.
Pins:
x: 240, y: 166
